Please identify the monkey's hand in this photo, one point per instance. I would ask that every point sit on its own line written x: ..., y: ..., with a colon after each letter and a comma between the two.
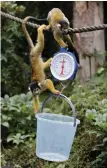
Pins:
x: 47, y: 63
x: 42, y: 27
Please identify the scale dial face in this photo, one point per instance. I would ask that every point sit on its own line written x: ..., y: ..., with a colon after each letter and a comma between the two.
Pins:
x: 62, y: 66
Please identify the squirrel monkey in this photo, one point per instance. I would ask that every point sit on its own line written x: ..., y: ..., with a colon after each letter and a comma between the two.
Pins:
x: 58, y: 21
x: 39, y: 82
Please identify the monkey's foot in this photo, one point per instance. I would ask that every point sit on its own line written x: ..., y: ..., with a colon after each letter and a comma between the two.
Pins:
x: 49, y: 61
x: 57, y: 92
x: 48, y: 27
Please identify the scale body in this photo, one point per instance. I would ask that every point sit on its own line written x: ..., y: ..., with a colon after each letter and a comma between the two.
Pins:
x: 64, y: 65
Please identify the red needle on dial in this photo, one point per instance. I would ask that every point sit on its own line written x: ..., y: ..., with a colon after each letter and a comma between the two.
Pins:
x: 62, y: 67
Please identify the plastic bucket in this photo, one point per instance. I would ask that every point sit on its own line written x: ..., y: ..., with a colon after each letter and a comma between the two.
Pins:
x: 55, y: 133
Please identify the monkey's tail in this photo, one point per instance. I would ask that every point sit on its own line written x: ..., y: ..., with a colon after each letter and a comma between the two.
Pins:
x: 36, y: 103
x: 30, y: 42
x: 40, y: 20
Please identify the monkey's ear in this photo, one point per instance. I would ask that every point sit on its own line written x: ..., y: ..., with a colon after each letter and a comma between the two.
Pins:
x: 29, y: 88
x: 59, y: 25
x: 39, y: 84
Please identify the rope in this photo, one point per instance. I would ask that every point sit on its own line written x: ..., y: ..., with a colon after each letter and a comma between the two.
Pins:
x: 85, y: 29
x: 11, y: 17
x: 70, y: 30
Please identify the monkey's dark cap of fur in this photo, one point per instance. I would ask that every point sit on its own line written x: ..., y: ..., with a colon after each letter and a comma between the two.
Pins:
x: 63, y: 23
x: 34, y: 85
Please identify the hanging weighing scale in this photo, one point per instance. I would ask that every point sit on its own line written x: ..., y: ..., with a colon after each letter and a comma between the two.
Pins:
x: 64, y: 65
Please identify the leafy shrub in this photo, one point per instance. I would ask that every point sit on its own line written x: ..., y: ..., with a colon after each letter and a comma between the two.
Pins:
x: 99, y: 120
x: 14, y: 69
x: 89, y: 149
x: 17, y: 116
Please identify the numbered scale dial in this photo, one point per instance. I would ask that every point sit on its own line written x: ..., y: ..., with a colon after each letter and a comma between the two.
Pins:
x: 63, y: 65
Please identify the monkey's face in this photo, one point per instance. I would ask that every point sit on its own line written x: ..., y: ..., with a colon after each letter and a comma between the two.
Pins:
x: 64, y: 24
x: 35, y: 88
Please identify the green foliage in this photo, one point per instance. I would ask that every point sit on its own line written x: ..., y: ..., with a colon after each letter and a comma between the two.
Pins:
x: 99, y: 120
x: 14, y: 70
x: 21, y: 156
x: 17, y: 115
x: 12, y: 7
x: 17, y: 139
x: 89, y: 149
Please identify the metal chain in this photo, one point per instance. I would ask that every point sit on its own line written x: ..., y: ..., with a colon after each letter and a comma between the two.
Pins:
x: 70, y: 30
x: 64, y: 86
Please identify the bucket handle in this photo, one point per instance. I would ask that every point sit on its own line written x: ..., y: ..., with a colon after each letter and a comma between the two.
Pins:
x: 68, y: 101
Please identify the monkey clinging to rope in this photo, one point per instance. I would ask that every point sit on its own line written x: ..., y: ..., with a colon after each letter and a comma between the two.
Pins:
x: 57, y: 22
x: 38, y: 81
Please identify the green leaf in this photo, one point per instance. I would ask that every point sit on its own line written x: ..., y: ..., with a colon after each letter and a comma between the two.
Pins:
x: 23, y: 121
x: 100, y: 71
x: 4, y: 117
x: 105, y: 140
x: 3, y: 58
x: 14, y: 109
x: 18, y: 135
x: 6, y: 98
x: 25, y: 136
x: 23, y: 97
x: 17, y: 141
x: 96, y: 148
x: 28, y: 118
x: 9, y: 139
x: 61, y: 166
x: 6, y: 124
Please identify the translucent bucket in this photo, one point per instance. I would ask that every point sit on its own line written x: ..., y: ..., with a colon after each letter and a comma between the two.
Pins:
x: 55, y: 134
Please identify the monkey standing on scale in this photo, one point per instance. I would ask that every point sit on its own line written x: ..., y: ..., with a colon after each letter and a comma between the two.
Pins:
x: 39, y: 83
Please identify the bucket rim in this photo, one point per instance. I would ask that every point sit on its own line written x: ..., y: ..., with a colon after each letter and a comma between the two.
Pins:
x: 38, y: 116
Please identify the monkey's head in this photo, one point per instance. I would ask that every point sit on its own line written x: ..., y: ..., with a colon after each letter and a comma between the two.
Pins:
x: 35, y: 88
x: 64, y: 24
